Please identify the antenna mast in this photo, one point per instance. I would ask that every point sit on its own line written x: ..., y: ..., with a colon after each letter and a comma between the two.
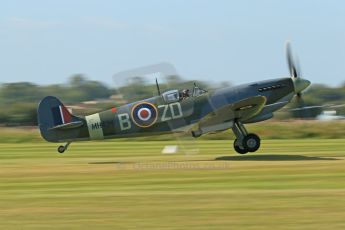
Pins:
x: 159, y: 91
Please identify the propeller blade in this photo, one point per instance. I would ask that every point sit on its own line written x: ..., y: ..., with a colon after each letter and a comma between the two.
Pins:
x: 300, y: 100
x: 291, y: 64
x: 303, y: 114
x: 308, y: 107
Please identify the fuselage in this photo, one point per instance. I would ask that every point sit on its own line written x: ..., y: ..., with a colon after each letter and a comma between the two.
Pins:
x: 154, y: 115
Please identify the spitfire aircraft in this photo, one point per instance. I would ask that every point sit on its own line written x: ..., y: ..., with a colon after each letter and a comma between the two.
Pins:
x: 197, y: 112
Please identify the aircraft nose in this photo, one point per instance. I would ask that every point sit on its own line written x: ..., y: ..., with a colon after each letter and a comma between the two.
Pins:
x: 300, y: 84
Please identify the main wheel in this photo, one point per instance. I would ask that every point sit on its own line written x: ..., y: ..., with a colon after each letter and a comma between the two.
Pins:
x: 61, y: 149
x: 251, y: 142
x: 239, y: 149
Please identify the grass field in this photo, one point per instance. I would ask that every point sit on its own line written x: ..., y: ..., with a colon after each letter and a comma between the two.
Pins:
x: 288, y: 184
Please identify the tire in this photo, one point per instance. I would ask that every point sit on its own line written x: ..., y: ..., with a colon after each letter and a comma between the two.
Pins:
x: 251, y: 142
x: 61, y: 149
x: 239, y: 149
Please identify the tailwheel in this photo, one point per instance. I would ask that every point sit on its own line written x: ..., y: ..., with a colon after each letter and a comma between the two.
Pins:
x: 251, y: 142
x: 63, y: 148
x: 239, y: 149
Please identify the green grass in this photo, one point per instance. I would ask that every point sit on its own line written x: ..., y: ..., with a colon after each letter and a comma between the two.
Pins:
x: 288, y: 184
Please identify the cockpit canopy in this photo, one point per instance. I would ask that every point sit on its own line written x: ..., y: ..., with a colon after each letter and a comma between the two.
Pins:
x: 175, y: 95
x: 171, y: 96
x: 198, y: 91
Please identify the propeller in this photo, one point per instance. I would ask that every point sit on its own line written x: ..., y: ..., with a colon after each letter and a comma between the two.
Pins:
x: 300, y: 84
x: 295, y: 72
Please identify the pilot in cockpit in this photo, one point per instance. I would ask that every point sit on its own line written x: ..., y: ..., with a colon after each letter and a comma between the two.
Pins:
x: 184, y: 94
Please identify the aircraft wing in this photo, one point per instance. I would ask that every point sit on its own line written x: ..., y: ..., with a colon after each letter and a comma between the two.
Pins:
x: 241, y: 110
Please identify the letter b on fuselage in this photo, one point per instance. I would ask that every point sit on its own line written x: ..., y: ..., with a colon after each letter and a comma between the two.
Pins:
x: 124, y: 121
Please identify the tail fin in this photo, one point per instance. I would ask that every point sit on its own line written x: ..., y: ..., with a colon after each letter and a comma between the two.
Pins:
x: 53, y: 120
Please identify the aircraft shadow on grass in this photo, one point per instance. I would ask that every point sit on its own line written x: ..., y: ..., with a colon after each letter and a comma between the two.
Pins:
x: 109, y: 162
x: 241, y: 158
x: 273, y: 158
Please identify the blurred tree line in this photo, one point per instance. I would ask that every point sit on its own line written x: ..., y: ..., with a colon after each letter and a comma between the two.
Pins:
x: 19, y: 101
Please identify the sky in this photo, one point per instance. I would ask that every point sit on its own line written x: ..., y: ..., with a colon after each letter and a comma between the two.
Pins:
x: 242, y: 41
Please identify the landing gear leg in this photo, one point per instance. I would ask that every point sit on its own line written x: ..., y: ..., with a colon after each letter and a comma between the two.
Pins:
x: 244, y: 142
x: 63, y: 148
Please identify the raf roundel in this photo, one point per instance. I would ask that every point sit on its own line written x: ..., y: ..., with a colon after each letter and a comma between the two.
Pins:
x: 144, y: 114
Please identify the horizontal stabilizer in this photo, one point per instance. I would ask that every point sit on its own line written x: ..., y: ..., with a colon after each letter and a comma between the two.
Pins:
x: 70, y: 125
